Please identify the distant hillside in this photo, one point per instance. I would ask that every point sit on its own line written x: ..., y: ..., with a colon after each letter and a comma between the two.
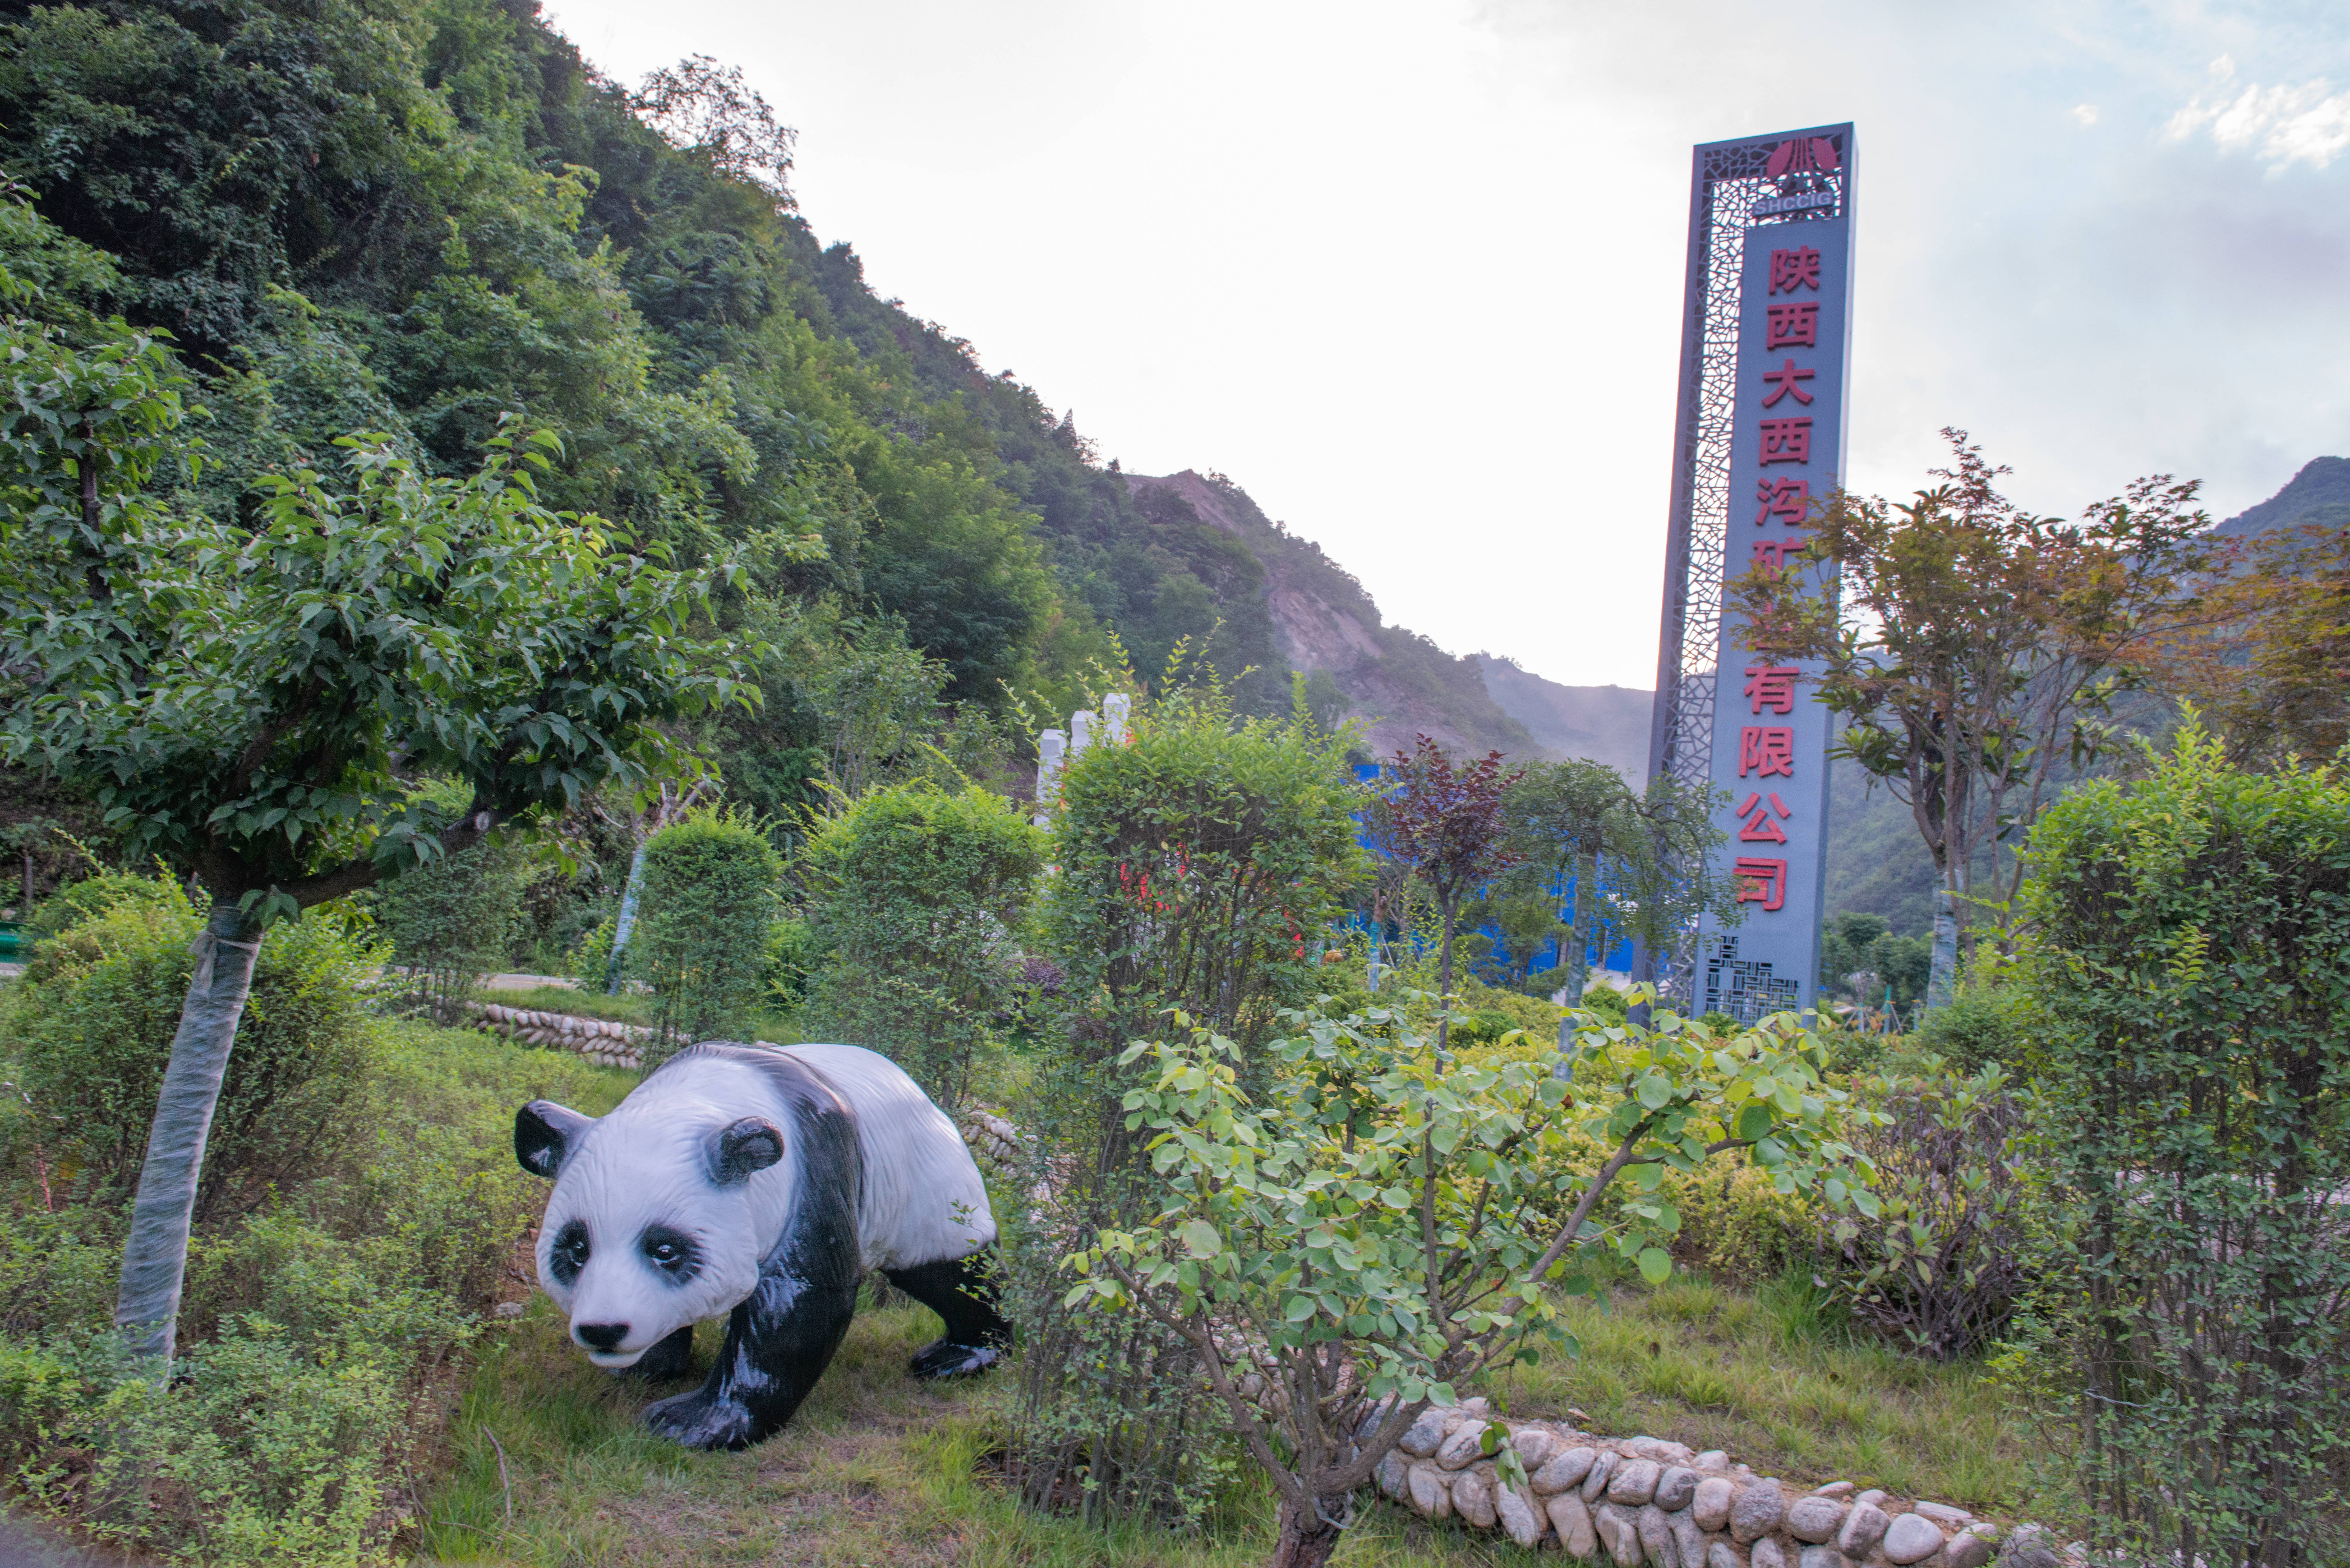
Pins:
x: 1324, y: 620
x: 1606, y: 723
x: 2319, y: 494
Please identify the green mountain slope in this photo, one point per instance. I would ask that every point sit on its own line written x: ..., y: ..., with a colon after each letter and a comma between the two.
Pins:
x: 421, y: 219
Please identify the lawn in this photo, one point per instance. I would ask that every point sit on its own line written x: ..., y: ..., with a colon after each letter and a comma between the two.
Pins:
x: 879, y: 1469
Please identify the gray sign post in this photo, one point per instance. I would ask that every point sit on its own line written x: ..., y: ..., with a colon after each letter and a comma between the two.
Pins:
x: 1759, y: 440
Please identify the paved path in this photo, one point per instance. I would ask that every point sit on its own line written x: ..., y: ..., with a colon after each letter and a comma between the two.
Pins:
x: 527, y: 982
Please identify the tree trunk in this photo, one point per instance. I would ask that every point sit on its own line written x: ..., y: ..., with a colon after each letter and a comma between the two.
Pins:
x: 1573, y: 953
x: 1444, y: 983
x: 155, y: 1258
x: 627, y: 919
x: 1307, y: 1538
x: 1941, y: 983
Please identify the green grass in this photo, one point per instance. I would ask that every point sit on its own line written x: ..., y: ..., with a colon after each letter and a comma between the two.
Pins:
x: 1769, y: 1378
x: 628, y: 1007
x: 875, y: 1469
x: 878, y: 1468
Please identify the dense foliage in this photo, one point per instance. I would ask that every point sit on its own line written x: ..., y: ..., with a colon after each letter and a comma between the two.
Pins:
x: 917, y: 900
x: 1200, y: 864
x: 1383, y: 1221
x: 2191, y: 967
x: 362, y: 1206
x: 454, y: 920
x: 703, y: 944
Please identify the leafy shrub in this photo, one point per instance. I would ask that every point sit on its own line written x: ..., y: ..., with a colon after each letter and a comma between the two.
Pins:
x: 1735, y: 1223
x: 453, y: 921
x: 94, y: 1020
x: 1941, y: 1264
x: 791, y: 953
x: 590, y: 962
x: 2189, y: 968
x: 711, y: 886
x: 1982, y: 1023
x: 1197, y: 862
x: 1607, y: 1001
x: 915, y: 900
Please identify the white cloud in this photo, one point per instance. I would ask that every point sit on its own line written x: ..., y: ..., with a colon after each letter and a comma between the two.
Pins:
x: 2306, y: 124
x: 2087, y: 113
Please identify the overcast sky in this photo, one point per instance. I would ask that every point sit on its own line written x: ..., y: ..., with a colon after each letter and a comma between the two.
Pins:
x: 1411, y: 273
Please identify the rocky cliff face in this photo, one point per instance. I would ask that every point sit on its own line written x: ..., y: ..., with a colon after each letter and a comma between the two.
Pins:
x: 1399, y: 682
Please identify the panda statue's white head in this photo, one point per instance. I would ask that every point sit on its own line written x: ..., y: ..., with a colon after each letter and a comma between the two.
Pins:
x: 655, y: 1221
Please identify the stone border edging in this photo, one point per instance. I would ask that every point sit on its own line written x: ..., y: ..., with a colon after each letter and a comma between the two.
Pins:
x: 603, y: 1041
x: 1651, y: 1501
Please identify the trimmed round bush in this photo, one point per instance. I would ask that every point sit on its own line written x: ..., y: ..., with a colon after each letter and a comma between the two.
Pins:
x: 93, y: 1026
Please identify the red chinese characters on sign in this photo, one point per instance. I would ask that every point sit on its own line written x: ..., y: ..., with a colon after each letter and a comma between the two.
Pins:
x: 1784, y: 397
x: 1761, y: 881
x: 1788, y: 499
x: 1786, y: 441
x: 1754, y: 823
x: 1793, y: 326
x: 1795, y: 269
x: 1772, y: 686
x: 1766, y: 751
x: 1782, y: 382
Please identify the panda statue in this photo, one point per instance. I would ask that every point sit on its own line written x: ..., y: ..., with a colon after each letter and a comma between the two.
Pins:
x: 763, y: 1181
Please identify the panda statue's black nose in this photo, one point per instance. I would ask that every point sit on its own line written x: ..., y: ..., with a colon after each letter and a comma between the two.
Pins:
x: 600, y: 1335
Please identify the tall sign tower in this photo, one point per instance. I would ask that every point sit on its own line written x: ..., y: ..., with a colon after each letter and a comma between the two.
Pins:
x: 1758, y: 437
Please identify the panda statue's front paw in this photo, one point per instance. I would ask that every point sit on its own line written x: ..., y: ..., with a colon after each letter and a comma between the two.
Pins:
x: 945, y: 1358
x: 697, y: 1422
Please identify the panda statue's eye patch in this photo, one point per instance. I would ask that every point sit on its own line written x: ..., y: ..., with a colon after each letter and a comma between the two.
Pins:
x: 568, y: 1255
x: 671, y: 1252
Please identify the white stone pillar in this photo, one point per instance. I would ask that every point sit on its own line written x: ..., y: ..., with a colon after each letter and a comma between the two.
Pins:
x: 1116, y: 710
x: 1051, y: 749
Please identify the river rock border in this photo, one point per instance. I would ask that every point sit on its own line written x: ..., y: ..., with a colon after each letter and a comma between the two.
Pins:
x: 1635, y: 1501
x: 602, y: 1040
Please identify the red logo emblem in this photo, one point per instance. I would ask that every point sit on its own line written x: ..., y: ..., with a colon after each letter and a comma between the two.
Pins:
x: 1804, y: 155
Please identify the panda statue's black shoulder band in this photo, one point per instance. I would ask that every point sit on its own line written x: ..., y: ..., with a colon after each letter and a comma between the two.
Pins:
x: 779, y: 1340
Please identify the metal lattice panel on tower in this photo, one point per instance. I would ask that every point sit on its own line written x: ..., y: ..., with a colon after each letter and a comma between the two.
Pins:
x: 1733, y: 191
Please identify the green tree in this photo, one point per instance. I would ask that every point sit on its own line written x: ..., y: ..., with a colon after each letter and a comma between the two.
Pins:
x: 917, y: 900
x: 1382, y: 1226
x: 1970, y: 649
x: 238, y: 699
x: 712, y: 881
x: 1563, y: 818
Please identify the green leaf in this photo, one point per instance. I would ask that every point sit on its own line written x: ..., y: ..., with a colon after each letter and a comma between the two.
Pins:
x: 1656, y: 1265
x: 1200, y: 1238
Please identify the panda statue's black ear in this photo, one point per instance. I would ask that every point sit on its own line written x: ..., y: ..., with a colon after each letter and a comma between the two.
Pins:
x: 739, y: 1147
x: 544, y: 1133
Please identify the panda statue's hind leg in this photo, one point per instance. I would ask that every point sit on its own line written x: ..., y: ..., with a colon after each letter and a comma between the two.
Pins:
x: 962, y: 1291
